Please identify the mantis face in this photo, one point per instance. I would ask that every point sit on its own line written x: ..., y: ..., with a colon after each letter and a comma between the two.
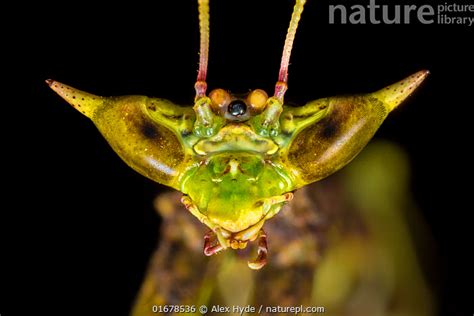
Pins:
x: 237, y: 159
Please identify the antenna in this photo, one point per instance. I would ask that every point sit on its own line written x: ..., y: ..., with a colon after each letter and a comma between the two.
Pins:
x: 281, y: 86
x: 201, y: 85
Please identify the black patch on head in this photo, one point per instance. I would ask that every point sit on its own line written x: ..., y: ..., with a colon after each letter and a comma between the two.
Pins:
x: 186, y: 132
x: 330, y: 130
x: 237, y: 108
x: 149, y: 130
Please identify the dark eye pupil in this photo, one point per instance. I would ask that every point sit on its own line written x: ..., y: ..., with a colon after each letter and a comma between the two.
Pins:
x: 237, y: 108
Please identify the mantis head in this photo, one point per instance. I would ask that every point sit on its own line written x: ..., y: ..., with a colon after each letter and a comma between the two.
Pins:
x: 237, y: 159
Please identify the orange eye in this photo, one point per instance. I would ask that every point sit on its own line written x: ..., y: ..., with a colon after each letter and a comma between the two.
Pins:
x: 257, y: 99
x: 219, y: 100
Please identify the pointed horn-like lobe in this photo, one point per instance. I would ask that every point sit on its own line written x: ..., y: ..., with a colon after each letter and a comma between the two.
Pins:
x: 393, y: 95
x: 327, y: 134
x: 84, y: 102
x: 144, y: 132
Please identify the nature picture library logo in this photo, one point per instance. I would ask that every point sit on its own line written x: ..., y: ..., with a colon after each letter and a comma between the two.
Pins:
x: 375, y: 13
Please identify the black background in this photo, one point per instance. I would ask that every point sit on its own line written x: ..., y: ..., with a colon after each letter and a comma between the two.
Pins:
x: 79, y: 233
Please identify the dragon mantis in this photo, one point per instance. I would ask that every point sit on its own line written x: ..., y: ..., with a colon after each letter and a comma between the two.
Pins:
x: 238, y: 160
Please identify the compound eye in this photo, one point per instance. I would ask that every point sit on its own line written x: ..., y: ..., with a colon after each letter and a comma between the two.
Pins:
x: 219, y: 100
x: 257, y: 100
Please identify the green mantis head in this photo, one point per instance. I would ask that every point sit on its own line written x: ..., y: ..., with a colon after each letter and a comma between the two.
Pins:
x: 237, y: 160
